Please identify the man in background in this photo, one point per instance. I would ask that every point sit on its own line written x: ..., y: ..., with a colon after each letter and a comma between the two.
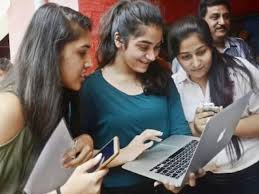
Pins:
x: 217, y: 14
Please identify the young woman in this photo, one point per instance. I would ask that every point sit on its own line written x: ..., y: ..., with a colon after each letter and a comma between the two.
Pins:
x: 48, y: 68
x: 209, y: 76
x: 130, y: 95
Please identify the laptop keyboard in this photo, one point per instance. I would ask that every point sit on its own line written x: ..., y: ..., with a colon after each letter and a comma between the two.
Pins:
x: 176, y: 164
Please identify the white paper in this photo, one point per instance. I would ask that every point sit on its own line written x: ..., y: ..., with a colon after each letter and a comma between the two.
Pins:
x: 48, y: 173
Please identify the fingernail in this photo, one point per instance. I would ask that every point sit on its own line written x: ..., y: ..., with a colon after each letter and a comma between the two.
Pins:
x: 99, y: 156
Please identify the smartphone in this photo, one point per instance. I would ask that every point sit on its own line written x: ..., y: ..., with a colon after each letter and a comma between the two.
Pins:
x: 109, y: 151
x: 209, y: 106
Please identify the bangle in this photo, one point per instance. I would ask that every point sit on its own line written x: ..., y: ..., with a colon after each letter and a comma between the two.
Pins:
x: 58, y: 190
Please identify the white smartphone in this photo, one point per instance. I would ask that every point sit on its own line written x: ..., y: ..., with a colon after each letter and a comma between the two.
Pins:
x: 209, y: 106
x: 109, y: 151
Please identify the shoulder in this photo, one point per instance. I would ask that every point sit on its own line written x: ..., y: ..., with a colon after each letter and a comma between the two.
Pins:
x: 239, y: 42
x: 11, y: 117
x: 246, y: 63
x: 236, y: 40
x: 92, y: 80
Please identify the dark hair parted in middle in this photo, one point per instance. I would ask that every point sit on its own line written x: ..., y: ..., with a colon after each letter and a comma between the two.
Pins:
x: 220, y: 83
x: 38, y: 64
x: 127, y: 17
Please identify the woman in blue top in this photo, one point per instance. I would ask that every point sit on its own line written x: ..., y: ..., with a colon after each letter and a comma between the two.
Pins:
x: 130, y: 95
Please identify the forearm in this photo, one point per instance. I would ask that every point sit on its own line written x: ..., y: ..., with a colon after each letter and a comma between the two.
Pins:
x: 63, y: 190
x: 248, y: 127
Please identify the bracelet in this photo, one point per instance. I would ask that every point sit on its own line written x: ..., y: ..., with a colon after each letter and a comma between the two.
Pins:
x: 58, y: 190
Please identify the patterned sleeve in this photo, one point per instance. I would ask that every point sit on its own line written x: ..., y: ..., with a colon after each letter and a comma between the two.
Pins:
x: 248, y: 53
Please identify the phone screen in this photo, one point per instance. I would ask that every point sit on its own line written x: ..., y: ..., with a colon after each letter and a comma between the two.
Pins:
x: 107, y: 152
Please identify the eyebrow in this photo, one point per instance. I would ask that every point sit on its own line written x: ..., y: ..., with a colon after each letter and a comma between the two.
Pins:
x: 148, y: 42
x: 195, y: 50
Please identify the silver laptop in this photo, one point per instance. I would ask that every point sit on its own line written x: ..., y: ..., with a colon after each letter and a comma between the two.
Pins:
x: 175, y: 157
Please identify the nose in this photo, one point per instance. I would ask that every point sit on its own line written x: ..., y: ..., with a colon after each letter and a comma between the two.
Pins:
x: 221, y: 21
x: 151, y: 56
x: 88, y: 63
x: 196, y: 62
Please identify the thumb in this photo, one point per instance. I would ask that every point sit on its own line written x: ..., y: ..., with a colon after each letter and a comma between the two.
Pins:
x: 90, y: 163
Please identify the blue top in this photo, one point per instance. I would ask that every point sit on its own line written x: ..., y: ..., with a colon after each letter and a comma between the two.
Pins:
x: 107, y: 112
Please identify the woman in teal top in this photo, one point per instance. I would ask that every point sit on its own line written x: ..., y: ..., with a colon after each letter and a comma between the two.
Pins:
x: 131, y: 95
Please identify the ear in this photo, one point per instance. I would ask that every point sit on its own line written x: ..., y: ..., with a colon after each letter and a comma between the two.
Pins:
x: 117, y: 40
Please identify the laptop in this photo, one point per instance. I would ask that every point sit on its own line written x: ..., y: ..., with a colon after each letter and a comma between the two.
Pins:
x: 175, y: 157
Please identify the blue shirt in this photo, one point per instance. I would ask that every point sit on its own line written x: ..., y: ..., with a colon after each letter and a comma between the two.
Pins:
x: 106, y: 112
x: 237, y: 47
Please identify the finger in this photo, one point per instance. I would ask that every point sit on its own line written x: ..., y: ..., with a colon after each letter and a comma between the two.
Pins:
x: 88, y: 156
x: 157, y: 139
x: 156, y: 183
x: 151, y: 135
x: 201, y: 172
x: 100, y: 173
x: 90, y: 163
x: 152, y: 132
x: 199, y: 110
x: 67, y: 157
x: 148, y: 145
x: 172, y: 187
x: 206, y: 114
x: 84, y: 154
x: 192, y: 179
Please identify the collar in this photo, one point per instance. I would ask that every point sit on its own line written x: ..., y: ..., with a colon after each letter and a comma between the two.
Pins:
x: 181, y: 76
x: 229, y: 43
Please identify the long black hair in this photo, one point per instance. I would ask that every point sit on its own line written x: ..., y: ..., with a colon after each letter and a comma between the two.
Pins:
x: 126, y: 17
x: 38, y: 80
x: 221, y: 85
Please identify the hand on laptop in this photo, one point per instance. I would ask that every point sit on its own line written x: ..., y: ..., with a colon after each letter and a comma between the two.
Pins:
x: 202, y: 117
x: 191, y: 182
x: 140, y: 143
x: 81, y: 151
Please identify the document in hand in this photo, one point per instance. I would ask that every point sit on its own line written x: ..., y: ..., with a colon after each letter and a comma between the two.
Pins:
x: 48, y: 172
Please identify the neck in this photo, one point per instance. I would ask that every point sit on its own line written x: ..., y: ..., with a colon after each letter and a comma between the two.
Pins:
x: 220, y: 45
x: 121, y: 70
x: 202, y: 83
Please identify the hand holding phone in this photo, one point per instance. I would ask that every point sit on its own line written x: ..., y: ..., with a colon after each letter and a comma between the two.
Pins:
x: 210, y: 107
x: 109, y: 151
x: 203, y: 114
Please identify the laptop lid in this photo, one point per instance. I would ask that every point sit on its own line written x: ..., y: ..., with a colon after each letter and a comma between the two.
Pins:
x: 218, y: 133
x: 215, y: 137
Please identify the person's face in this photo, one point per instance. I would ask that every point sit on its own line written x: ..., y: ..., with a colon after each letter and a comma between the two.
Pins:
x: 195, y: 57
x: 74, y: 58
x: 141, y: 50
x: 218, y: 19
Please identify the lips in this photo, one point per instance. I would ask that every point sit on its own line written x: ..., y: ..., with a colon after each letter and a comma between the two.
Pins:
x: 221, y: 29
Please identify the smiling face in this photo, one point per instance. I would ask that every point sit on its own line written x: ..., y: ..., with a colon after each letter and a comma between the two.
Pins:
x: 141, y: 50
x: 218, y: 19
x: 74, y: 58
x: 195, y: 57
